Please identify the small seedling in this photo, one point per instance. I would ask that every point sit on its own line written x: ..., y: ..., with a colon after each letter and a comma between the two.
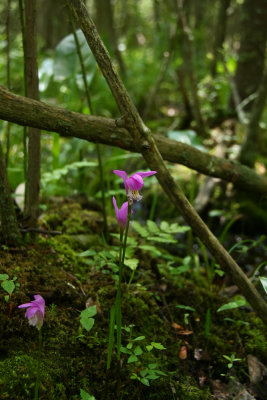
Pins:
x: 86, y: 319
x: 231, y: 360
x: 9, y: 286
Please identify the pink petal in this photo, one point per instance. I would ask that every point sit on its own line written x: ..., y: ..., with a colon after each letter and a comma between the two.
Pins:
x: 31, y: 311
x: 135, y: 182
x: 144, y: 174
x: 124, y: 214
x: 25, y: 305
x: 115, y: 206
x: 122, y: 174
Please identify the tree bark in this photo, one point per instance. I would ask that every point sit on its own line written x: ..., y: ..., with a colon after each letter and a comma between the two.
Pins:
x: 34, y: 150
x: 188, y: 67
x: 24, y: 111
x: 144, y: 141
x: 9, y: 225
x: 248, y: 152
x: 219, y: 35
x: 251, y: 55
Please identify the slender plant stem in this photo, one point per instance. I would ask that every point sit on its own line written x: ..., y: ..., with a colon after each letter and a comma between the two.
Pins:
x: 37, y: 383
x: 25, y: 129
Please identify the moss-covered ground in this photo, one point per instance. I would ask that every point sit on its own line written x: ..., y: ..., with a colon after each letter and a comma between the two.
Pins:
x: 177, y: 312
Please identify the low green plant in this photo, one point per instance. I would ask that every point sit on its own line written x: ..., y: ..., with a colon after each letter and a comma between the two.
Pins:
x: 238, y: 302
x: 231, y: 360
x: 86, y: 396
x: 164, y: 233
x: 134, y: 350
x: 86, y: 318
x: 8, y: 285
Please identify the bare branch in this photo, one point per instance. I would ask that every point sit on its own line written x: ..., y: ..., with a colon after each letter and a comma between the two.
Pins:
x: 24, y: 111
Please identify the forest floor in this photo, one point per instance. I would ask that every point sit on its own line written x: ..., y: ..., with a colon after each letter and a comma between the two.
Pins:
x: 173, y: 333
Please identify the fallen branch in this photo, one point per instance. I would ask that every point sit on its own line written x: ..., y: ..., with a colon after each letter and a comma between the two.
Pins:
x: 27, y: 112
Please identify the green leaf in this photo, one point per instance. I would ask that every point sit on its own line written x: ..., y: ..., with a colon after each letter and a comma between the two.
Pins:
x: 232, y: 304
x: 139, y: 338
x: 140, y: 229
x: 164, y: 238
x: 188, y: 137
x: 8, y: 286
x: 263, y: 280
x: 152, y: 366
x: 152, y: 249
x: 89, y: 312
x: 158, y: 346
x: 152, y: 227
x: 186, y: 307
x: 87, y: 253
x: 145, y: 381
x: 132, y: 263
x: 179, y: 270
x: 125, y: 351
x: 66, y: 63
x: 149, y: 347
x: 160, y: 372
x: 87, y: 323
x: 138, y: 351
x: 85, y: 318
x: 3, y: 277
x: 86, y: 396
x: 132, y: 359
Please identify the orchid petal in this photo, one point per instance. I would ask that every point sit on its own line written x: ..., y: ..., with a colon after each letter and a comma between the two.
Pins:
x: 122, y: 174
x: 35, y: 312
x: 135, y: 182
x: 144, y: 174
x: 124, y: 214
x: 115, y: 206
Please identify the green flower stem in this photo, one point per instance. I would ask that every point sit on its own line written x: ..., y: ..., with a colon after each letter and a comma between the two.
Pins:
x: 115, y: 315
x: 131, y: 278
x: 37, y: 383
x: 118, y: 297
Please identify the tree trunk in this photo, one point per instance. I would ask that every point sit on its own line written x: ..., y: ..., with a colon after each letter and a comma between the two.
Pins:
x: 251, y: 54
x: 34, y: 150
x: 219, y: 34
x: 249, y: 148
x: 105, y: 25
x: 9, y: 225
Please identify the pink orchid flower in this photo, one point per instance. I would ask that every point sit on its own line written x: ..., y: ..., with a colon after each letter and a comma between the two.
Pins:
x: 36, y: 311
x: 121, y: 214
x: 134, y: 183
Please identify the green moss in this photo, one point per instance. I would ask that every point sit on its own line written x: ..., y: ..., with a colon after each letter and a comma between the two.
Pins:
x: 187, y: 389
x: 17, y: 379
x: 255, y: 339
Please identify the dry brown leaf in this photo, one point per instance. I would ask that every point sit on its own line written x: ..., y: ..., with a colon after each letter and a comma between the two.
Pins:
x: 183, y: 353
x: 185, y: 333
x: 177, y: 326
